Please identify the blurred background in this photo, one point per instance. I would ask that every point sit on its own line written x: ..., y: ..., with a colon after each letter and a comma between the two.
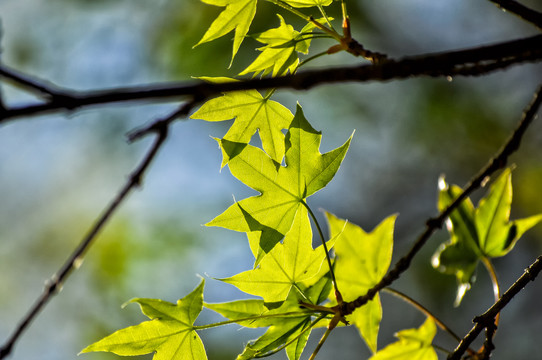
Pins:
x: 58, y: 172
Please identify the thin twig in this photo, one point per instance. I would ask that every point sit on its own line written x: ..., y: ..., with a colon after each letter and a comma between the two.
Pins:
x: 497, y: 162
x: 487, y: 319
x: 527, y: 14
x: 472, y: 62
x: 157, y: 125
x: 55, y: 283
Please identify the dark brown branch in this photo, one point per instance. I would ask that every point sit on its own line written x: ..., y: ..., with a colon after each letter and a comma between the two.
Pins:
x: 471, y: 62
x: 55, y: 283
x: 158, y: 124
x: 497, y: 162
x: 488, y: 347
x: 34, y: 85
x: 487, y: 319
x: 527, y: 14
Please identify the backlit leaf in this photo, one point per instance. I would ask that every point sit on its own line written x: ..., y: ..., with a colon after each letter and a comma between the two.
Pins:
x: 237, y: 15
x: 413, y: 344
x: 169, y: 334
x: 289, y: 324
x: 497, y: 234
x: 283, y: 189
x: 482, y: 232
x: 279, y: 56
x: 362, y: 260
x: 245, y: 312
x: 460, y: 256
x: 252, y: 113
x: 286, y: 266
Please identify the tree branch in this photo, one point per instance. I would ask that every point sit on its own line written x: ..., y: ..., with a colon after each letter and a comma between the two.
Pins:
x: 487, y: 319
x: 527, y: 14
x: 160, y: 128
x: 34, y: 85
x: 470, y: 62
x: 497, y: 162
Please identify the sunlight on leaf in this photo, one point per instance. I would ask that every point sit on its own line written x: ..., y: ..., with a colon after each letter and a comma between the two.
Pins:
x: 245, y: 312
x: 252, y: 113
x: 476, y: 233
x: 279, y: 56
x: 413, y: 344
x: 283, y: 188
x: 289, y: 325
x: 362, y: 260
x: 238, y: 15
x: 286, y: 266
x: 170, y: 332
x: 497, y: 234
x: 460, y: 256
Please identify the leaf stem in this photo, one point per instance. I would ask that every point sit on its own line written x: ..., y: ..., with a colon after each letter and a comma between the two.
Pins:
x: 422, y: 309
x: 307, y: 18
x: 315, y: 56
x: 427, y: 313
x: 311, y: 35
x: 272, y: 352
x: 493, y: 275
x: 323, y: 12
x: 344, y: 11
x: 328, y: 258
x: 496, y: 287
x: 333, y: 323
x: 269, y: 93
x: 251, y: 318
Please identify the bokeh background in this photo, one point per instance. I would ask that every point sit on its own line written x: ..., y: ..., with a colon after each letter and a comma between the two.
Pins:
x: 58, y: 172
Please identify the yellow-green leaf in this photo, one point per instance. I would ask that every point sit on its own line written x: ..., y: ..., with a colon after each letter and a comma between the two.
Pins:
x: 362, y: 259
x: 279, y: 56
x: 485, y: 231
x: 413, y: 344
x: 237, y: 15
x: 252, y: 113
x: 283, y: 189
x: 285, y: 267
x: 496, y: 233
x: 170, y: 332
x: 289, y: 324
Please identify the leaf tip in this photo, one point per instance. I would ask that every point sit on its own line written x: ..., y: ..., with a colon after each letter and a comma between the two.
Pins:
x: 442, y: 183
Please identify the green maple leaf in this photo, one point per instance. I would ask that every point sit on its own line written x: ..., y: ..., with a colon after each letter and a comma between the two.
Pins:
x: 170, y: 332
x: 362, y: 260
x: 485, y: 231
x: 237, y: 16
x: 279, y: 56
x: 252, y: 113
x: 413, y: 344
x: 497, y: 235
x: 283, y: 189
x: 285, y: 267
x: 289, y: 326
